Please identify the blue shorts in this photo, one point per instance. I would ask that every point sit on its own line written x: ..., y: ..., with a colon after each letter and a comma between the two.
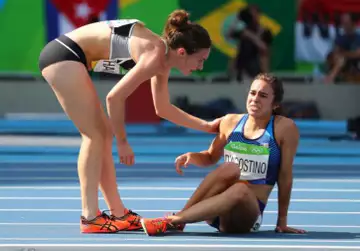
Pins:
x: 216, y: 222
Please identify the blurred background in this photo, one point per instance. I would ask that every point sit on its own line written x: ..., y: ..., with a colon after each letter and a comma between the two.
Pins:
x: 313, y: 45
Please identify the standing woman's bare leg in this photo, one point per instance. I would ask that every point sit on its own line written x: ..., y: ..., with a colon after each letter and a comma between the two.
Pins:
x: 77, y: 96
x: 108, y: 183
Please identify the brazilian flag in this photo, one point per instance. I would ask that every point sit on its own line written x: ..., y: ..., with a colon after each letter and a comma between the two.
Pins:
x: 216, y: 16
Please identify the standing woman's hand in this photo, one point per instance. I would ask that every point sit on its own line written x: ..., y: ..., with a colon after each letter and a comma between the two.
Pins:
x: 126, y: 154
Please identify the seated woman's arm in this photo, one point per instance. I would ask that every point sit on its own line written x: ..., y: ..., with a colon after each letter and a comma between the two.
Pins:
x: 289, y: 144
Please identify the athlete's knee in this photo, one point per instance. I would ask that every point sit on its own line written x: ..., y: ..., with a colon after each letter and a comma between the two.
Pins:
x: 228, y: 172
x: 238, y: 192
x: 98, y: 133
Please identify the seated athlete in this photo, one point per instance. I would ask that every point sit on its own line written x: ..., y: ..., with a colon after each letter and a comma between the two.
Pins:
x: 111, y: 46
x: 259, y: 148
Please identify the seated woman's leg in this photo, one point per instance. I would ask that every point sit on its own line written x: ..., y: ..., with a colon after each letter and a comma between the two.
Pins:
x: 214, y: 183
x: 242, y: 217
x: 237, y: 208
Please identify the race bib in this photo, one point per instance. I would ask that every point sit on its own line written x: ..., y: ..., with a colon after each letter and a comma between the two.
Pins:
x: 251, y: 159
x: 112, y: 66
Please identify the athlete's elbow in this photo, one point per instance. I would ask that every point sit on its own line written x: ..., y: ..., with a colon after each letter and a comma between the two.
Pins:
x: 209, y: 159
x: 110, y: 97
x: 113, y: 99
x: 212, y: 160
x: 110, y: 100
x: 159, y: 112
x: 162, y: 110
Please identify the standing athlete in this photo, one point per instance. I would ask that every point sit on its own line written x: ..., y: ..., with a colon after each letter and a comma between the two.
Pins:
x: 110, y: 46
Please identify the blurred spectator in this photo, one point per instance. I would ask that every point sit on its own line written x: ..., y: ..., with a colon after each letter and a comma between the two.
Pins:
x: 253, y: 43
x: 343, y: 62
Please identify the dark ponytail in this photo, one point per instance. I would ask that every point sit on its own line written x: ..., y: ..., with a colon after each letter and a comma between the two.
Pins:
x: 278, y: 110
x: 178, y: 20
x: 180, y: 32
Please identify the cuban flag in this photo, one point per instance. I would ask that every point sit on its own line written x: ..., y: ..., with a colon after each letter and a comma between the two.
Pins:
x: 65, y: 15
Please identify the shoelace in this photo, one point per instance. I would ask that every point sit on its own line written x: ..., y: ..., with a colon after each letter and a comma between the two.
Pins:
x: 136, y: 221
x: 105, y: 215
x: 137, y: 217
x: 133, y: 213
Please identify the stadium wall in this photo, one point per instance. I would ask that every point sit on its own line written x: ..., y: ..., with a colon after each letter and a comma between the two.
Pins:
x: 335, y: 102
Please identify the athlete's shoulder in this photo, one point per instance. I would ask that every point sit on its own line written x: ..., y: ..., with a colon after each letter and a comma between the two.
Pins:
x: 285, y: 122
x: 231, y: 118
x: 229, y: 121
x: 154, y: 53
x: 286, y: 127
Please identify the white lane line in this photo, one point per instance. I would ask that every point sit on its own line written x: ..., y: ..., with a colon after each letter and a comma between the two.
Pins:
x: 174, y: 199
x: 163, y: 188
x: 175, y: 210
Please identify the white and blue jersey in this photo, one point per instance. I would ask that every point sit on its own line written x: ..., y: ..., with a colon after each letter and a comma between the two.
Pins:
x: 258, y: 159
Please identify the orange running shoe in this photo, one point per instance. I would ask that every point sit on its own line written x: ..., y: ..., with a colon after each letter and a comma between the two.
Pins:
x: 102, y: 224
x: 156, y: 226
x: 132, y: 218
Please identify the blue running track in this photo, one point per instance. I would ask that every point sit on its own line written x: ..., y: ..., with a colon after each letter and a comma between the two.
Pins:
x: 40, y: 198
